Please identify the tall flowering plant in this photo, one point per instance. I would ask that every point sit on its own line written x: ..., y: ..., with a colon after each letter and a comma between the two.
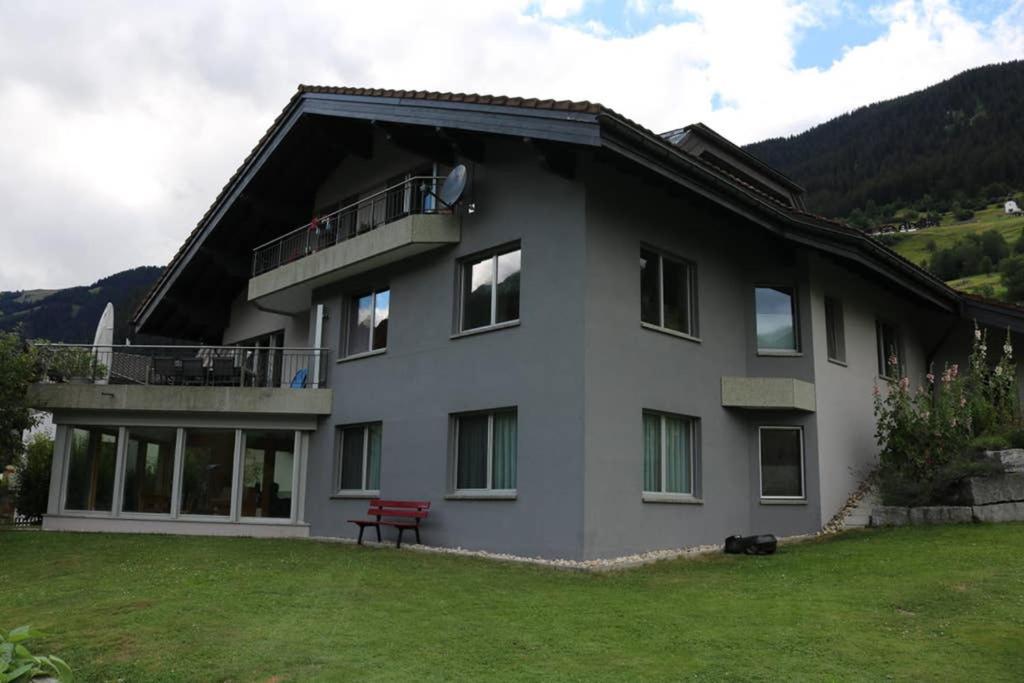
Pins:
x: 925, y: 434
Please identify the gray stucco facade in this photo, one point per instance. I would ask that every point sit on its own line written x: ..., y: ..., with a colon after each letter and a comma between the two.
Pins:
x: 579, y: 367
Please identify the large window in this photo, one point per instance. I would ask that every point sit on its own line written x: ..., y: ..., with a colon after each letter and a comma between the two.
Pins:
x: 776, y: 320
x: 368, y: 322
x: 835, y: 335
x: 358, y: 459
x: 668, y: 297
x: 890, y: 350
x: 490, y: 290
x: 91, y: 466
x: 668, y: 453
x: 208, y: 472
x: 485, y: 451
x: 149, y: 469
x: 267, y: 466
x: 782, y: 462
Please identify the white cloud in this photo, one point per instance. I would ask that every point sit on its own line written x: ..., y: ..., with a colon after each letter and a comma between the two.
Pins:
x: 122, y: 120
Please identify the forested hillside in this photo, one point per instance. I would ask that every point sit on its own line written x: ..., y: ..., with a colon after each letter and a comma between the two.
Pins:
x: 71, y: 315
x: 960, y: 142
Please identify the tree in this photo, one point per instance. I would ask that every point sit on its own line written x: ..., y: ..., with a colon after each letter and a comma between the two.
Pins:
x: 1011, y: 272
x: 18, y: 369
x: 32, y: 483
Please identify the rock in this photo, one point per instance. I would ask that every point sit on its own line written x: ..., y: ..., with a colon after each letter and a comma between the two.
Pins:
x: 1003, y: 488
x: 941, y: 514
x: 890, y: 515
x: 1013, y: 459
x: 999, y: 512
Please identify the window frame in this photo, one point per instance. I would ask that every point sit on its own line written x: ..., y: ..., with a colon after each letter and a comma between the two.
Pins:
x: 882, y: 355
x: 794, y: 308
x: 339, y: 451
x: 837, y: 329
x: 693, y: 307
x: 352, y: 309
x: 663, y: 496
x: 489, y: 491
x: 760, y: 464
x: 467, y: 261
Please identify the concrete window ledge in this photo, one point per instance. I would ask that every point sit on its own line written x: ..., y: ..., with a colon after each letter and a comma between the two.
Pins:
x: 355, y: 495
x: 783, y: 501
x: 482, y: 495
x: 672, y: 498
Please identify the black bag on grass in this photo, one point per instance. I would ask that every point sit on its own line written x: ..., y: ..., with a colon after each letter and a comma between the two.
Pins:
x: 763, y: 544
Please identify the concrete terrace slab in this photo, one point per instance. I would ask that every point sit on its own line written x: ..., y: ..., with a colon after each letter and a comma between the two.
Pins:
x: 768, y: 393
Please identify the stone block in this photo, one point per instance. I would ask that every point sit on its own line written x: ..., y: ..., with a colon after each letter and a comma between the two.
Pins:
x: 1004, y: 488
x: 889, y: 515
x: 999, y: 512
x: 941, y: 514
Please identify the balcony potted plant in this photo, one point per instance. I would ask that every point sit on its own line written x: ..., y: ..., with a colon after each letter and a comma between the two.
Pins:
x: 76, y: 365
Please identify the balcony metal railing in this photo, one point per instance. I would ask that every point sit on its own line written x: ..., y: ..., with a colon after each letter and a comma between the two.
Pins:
x: 218, y: 366
x: 411, y: 196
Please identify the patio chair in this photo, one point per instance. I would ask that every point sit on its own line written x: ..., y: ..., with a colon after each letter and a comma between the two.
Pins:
x: 299, y: 381
x: 165, y: 371
x: 225, y: 373
x: 192, y: 371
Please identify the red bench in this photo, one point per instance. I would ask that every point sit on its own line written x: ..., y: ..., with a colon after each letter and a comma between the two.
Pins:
x: 399, y: 514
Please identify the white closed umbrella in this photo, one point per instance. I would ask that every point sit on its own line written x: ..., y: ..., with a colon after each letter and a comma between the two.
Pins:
x: 102, y: 343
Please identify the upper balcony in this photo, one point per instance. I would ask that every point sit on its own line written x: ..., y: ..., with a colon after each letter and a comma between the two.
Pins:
x: 176, y: 379
x: 391, y: 225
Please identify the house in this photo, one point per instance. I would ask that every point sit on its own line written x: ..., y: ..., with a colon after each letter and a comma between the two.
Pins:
x: 1011, y: 207
x: 617, y: 341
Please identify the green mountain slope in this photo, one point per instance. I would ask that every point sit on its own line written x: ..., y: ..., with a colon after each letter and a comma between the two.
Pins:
x: 71, y: 315
x: 963, y: 137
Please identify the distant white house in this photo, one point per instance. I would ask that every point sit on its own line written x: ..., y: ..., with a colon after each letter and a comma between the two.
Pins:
x: 1011, y: 207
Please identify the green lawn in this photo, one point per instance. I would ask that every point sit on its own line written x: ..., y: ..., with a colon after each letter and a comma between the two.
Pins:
x: 943, y: 603
x: 914, y: 245
x: 975, y: 284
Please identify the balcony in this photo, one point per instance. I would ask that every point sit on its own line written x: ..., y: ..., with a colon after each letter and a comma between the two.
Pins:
x: 401, y: 221
x: 194, y: 379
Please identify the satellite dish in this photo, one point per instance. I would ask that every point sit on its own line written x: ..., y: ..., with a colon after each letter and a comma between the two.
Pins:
x: 453, y: 187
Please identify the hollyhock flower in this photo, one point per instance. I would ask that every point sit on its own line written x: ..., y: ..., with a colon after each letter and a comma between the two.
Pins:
x: 999, y: 370
x: 977, y: 334
x: 930, y: 377
x: 875, y: 391
x: 954, y: 370
x: 905, y: 383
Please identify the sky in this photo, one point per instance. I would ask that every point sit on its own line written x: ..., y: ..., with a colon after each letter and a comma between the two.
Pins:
x: 121, y: 121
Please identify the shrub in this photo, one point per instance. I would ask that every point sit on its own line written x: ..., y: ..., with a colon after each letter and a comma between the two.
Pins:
x: 930, y: 438
x: 1011, y: 272
x: 18, y: 665
x: 32, y: 484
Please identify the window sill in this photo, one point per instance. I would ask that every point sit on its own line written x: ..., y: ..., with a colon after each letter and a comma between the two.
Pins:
x: 779, y: 354
x: 482, y: 495
x: 674, y: 498
x: 484, y: 330
x: 360, y: 356
x: 783, y: 501
x: 670, y: 332
x: 361, y: 495
x: 836, y: 361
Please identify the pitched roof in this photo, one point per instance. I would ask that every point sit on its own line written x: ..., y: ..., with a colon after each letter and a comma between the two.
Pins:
x: 640, y: 142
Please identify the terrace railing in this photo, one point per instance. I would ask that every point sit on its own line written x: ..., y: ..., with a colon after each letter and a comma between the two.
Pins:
x: 411, y: 196
x: 223, y: 366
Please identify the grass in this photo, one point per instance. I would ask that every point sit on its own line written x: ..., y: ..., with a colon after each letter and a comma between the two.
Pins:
x: 942, y: 603
x: 978, y: 284
x: 914, y: 246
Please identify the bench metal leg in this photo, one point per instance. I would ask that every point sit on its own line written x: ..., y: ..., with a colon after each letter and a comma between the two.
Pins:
x: 378, y: 533
x: 418, y: 536
x: 399, y: 544
x: 361, y: 530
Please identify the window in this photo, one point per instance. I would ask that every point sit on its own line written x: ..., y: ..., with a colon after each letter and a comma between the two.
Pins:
x: 835, y: 335
x: 485, y: 451
x: 668, y: 293
x: 149, y: 469
x: 91, y: 465
x: 267, y: 466
x: 490, y: 290
x: 776, y: 320
x: 208, y: 472
x: 782, y: 462
x: 668, y: 453
x: 890, y: 351
x: 368, y: 322
x: 358, y: 459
